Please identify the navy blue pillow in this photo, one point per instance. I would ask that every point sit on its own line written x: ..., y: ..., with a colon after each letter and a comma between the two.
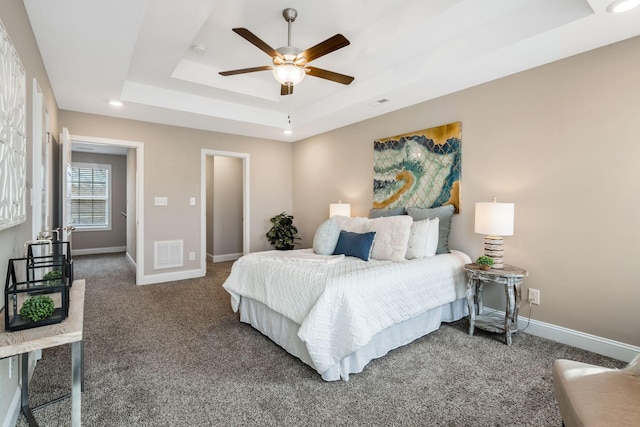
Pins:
x: 355, y: 244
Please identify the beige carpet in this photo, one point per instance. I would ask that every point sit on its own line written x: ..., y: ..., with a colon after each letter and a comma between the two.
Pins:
x: 175, y: 354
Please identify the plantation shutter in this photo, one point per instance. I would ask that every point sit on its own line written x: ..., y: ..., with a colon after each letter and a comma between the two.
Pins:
x: 90, y: 195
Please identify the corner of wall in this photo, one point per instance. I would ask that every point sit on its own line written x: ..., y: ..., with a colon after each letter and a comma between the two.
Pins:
x: 9, y: 391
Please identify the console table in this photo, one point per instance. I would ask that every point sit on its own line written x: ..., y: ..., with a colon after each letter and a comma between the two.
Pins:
x: 511, y: 278
x: 69, y: 331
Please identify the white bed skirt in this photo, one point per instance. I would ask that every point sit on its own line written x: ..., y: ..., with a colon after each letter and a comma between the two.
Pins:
x: 284, y: 332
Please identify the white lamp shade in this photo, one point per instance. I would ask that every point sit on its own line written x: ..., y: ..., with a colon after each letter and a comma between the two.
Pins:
x: 343, y: 209
x: 494, y: 219
x: 288, y: 74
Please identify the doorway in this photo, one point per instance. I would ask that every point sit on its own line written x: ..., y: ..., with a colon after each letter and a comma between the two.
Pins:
x: 130, y: 214
x: 225, y: 207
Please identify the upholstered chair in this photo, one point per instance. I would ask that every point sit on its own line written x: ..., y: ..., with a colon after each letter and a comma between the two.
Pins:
x: 590, y: 395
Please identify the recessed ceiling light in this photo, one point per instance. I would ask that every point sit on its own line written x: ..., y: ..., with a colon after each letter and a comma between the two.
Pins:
x: 619, y: 6
x: 115, y: 103
x: 287, y: 131
x: 379, y: 102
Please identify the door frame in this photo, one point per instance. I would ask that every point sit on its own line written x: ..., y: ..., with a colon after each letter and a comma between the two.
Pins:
x: 139, y: 147
x: 246, y: 208
x: 41, y: 179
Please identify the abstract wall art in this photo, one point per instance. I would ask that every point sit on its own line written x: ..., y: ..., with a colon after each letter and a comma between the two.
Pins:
x: 419, y: 169
x: 13, y: 154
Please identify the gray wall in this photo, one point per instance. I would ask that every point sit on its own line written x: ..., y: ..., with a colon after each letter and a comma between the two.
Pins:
x: 227, y: 205
x: 14, y: 19
x: 224, y: 206
x: 172, y: 168
x: 132, y: 196
x: 117, y: 236
x: 560, y: 141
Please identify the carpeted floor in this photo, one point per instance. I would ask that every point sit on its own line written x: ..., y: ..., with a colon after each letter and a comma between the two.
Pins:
x: 175, y: 354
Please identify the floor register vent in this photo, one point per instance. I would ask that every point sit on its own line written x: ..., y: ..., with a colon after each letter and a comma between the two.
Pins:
x: 167, y: 254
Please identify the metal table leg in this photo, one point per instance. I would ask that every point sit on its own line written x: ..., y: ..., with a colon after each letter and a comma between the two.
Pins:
x: 26, y: 410
x: 76, y: 382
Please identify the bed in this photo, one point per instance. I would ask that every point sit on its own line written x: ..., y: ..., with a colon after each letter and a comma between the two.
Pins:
x: 336, y: 313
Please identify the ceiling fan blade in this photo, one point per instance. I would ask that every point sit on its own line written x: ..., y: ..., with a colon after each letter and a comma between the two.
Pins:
x: 329, y: 75
x: 246, y: 70
x: 286, y: 90
x: 257, y: 42
x: 329, y: 45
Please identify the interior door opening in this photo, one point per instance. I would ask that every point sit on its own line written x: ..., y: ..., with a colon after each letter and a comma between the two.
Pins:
x: 125, y: 159
x: 225, y: 211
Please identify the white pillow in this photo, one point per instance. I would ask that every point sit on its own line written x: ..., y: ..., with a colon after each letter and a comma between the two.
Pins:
x: 423, y: 239
x: 353, y: 225
x: 392, y: 237
x: 326, y: 237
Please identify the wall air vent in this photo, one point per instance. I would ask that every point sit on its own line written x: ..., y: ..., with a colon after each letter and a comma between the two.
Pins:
x: 167, y: 254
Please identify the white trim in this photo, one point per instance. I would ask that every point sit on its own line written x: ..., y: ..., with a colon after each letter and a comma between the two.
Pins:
x: 93, y: 251
x: 152, y: 279
x: 130, y: 258
x: 139, y: 147
x: 37, y: 190
x: 593, y: 343
x: 14, y: 409
x: 246, y: 192
x: 223, y: 257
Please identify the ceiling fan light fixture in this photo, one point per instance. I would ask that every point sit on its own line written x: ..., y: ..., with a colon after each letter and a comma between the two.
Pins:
x: 619, y: 6
x: 288, y: 74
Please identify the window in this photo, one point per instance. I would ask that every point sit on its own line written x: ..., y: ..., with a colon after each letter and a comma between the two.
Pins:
x: 91, y: 196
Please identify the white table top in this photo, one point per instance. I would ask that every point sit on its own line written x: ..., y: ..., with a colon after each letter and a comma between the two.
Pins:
x: 66, y: 332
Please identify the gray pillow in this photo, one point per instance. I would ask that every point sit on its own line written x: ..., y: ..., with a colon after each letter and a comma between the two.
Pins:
x: 379, y: 213
x: 444, y: 214
x: 326, y: 237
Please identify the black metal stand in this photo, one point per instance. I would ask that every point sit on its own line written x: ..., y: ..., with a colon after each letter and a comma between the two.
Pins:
x: 77, y: 380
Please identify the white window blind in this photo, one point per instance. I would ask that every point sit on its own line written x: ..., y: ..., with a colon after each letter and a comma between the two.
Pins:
x: 91, y: 195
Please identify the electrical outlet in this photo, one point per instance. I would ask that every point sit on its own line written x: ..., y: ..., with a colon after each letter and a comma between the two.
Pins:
x: 534, y: 296
x: 192, y: 256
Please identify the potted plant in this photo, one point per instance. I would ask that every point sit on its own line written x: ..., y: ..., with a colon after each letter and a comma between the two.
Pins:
x: 37, y: 308
x: 485, y: 262
x: 52, y: 278
x: 283, y: 233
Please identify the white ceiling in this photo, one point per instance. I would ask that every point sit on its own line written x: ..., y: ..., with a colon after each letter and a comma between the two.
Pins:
x: 406, y: 51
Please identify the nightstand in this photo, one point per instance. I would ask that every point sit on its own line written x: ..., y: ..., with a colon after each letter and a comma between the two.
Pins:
x: 511, y: 278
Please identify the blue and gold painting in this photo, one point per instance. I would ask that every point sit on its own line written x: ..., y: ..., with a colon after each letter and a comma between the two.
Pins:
x: 418, y: 169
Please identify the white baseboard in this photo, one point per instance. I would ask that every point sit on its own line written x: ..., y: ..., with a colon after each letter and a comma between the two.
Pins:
x: 131, y: 260
x: 604, y: 346
x: 94, y: 251
x: 224, y: 257
x: 152, y: 279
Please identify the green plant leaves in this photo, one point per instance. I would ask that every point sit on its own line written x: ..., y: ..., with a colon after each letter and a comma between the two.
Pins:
x: 52, y: 278
x: 36, y: 308
x: 283, y: 233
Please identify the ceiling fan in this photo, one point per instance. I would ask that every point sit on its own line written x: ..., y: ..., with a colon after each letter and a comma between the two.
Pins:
x: 290, y: 63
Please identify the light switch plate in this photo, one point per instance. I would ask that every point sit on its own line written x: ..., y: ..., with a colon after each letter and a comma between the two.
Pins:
x: 161, y: 201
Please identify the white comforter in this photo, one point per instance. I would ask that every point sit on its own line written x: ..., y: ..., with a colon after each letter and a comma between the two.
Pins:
x: 342, y: 305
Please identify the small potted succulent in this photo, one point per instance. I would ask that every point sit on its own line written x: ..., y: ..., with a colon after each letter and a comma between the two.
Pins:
x: 52, y: 278
x: 37, y: 308
x: 485, y: 262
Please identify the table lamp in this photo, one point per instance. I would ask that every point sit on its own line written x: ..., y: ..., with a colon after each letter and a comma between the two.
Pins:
x: 339, y: 209
x: 494, y: 220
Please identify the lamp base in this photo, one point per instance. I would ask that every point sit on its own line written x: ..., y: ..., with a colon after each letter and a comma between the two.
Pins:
x: 493, y: 248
